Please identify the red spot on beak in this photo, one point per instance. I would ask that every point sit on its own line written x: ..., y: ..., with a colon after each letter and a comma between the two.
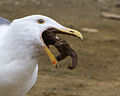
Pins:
x: 54, y: 62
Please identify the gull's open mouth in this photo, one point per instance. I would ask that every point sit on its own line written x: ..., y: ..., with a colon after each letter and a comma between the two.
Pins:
x: 50, y: 38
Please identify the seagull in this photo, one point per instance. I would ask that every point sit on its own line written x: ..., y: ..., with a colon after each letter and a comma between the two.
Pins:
x: 21, y: 46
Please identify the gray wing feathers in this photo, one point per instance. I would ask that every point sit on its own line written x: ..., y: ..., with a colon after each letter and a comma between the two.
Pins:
x: 4, y: 21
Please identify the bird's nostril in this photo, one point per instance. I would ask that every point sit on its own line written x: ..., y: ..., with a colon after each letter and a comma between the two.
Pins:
x: 72, y: 31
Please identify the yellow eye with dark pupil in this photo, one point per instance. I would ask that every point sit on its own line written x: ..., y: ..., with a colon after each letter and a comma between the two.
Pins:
x: 41, y: 21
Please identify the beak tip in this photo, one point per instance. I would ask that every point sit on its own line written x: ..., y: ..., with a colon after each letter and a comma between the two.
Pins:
x: 81, y: 37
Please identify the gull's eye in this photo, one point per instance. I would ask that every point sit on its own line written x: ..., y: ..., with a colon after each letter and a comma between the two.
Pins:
x: 41, y: 21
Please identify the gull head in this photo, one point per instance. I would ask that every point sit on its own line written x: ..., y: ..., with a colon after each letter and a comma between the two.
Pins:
x: 30, y: 29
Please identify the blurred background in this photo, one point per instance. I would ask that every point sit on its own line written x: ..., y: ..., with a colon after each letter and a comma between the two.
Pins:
x: 98, y: 70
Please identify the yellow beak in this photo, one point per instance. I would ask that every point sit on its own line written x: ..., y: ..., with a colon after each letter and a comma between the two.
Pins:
x: 51, y: 56
x: 72, y: 32
x: 66, y: 31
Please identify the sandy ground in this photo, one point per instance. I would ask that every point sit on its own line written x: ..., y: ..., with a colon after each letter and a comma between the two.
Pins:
x: 98, y: 70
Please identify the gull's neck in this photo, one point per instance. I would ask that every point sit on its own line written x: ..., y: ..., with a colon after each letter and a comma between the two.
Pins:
x: 21, y: 47
x: 18, y: 62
